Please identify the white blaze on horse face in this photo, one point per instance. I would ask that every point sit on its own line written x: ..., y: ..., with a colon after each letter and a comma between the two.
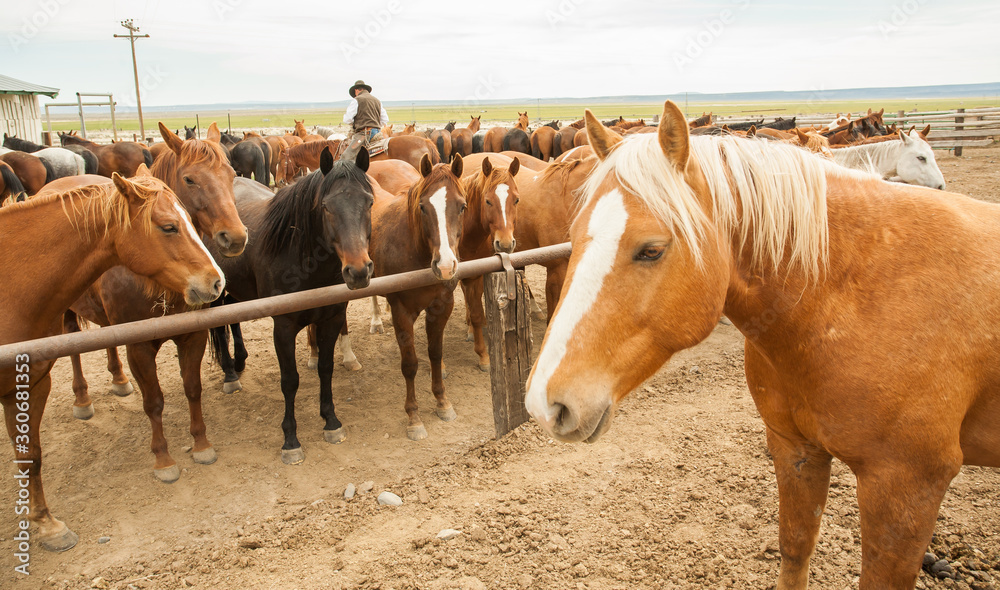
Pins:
x: 197, y: 238
x: 502, y: 191
x: 448, y: 260
x: 605, y: 229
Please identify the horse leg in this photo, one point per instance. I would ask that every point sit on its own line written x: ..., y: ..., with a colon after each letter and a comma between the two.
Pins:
x: 142, y: 363
x: 120, y: 384
x: 899, y: 497
x: 190, y: 352
x: 53, y: 534
x: 326, y: 337
x: 437, y: 318
x: 220, y: 342
x: 284, y: 346
x: 554, y: 278
x: 83, y: 407
x: 473, y: 290
x: 239, y: 349
x: 313, y: 361
x: 402, y: 325
x: 350, y: 360
x: 803, y: 474
x: 376, y: 327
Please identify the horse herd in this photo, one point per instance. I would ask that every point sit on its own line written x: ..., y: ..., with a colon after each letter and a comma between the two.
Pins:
x: 673, y: 217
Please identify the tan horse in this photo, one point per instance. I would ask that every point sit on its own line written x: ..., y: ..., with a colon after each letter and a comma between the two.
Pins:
x: 461, y: 139
x: 522, y: 121
x: 305, y: 136
x: 421, y: 230
x: 871, y: 333
x: 541, y: 142
x: 493, y: 141
x: 74, y: 237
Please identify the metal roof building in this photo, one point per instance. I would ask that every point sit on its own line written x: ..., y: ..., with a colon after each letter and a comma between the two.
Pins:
x: 20, y: 114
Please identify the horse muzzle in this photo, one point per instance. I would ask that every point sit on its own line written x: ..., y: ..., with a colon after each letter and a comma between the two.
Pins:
x: 502, y: 246
x: 358, y: 277
x: 202, y: 290
x: 231, y: 243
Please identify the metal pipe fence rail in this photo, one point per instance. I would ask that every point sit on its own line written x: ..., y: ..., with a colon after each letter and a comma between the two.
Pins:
x: 54, y: 347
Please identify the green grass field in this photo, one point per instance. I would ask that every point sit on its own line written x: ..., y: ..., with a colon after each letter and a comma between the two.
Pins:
x: 437, y: 116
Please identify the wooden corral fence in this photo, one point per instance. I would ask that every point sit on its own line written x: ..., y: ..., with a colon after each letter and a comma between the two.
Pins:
x: 507, y: 316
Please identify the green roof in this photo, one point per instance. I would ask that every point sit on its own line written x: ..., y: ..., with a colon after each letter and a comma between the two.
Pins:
x: 10, y: 85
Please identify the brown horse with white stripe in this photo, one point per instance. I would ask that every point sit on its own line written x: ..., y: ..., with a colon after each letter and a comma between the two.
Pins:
x: 869, y: 310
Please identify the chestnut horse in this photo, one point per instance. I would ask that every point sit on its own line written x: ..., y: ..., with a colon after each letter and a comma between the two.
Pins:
x: 493, y: 140
x: 311, y: 234
x: 492, y: 197
x: 869, y: 311
x: 305, y: 136
x: 441, y: 138
x: 10, y: 185
x: 31, y: 170
x: 198, y: 173
x: 123, y: 157
x: 461, y: 139
x: 421, y: 229
x: 562, y: 142
x: 54, y: 248
x: 541, y: 142
x: 305, y: 157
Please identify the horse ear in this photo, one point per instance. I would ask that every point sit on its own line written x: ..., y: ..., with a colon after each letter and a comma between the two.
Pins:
x: 171, y: 139
x: 487, y: 166
x: 905, y: 137
x: 326, y: 160
x: 673, y: 135
x: 213, y: 134
x: 601, y: 138
x: 515, y: 165
x: 926, y: 131
x: 457, y: 166
x: 803, y: 138
x: 362, y: 160
x: 123, y: 185
x: 425, y: 165
x: 142, y: 170
x: 752, y: 132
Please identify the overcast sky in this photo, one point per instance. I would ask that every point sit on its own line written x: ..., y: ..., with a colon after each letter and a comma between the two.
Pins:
x: 212, y: 51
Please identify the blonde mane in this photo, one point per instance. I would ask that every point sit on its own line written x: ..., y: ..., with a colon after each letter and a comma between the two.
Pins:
x: 770, y: 195
x: 877, y: 158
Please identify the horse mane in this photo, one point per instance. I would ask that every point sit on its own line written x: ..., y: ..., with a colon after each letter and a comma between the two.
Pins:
x: 294, y: 217
x: 414, y: 195
x: 770, y: 194
x: 876, y: 158
x: 193, y: 151
x: 562, y: 168
x: 479, y: 184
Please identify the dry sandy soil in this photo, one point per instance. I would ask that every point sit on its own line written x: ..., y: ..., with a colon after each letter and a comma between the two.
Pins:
x: 679, y: 494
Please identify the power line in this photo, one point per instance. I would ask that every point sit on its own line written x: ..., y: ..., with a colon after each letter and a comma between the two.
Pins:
x: 132, y: 30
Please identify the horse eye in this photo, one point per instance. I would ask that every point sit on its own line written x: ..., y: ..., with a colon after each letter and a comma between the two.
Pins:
x: 423, y: 209
x: 922, y: 159
x: 488, y: 202
x: 516, y: 201
x: 650, y: 253
x: 462, y: 209
x: 188, y: 181
x: 169, y: 228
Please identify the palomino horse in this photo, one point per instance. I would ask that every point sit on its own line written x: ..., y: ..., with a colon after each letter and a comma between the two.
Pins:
x: 870, y: 332
x: 311, y: 234
x: 74, y: 237
x: 910, y: 160
x: 488, y: 227
x: 10, y: 185
x: 461, y: 139
x: 123, y: 157
x: 203, y: 181
x: 421, y: 229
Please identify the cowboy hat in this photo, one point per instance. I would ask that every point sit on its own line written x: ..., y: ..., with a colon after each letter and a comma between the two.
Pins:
x: 359, y: 84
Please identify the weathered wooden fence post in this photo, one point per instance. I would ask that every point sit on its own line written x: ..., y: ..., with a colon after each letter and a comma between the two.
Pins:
x: 508, y: 340
x: 959, y: 119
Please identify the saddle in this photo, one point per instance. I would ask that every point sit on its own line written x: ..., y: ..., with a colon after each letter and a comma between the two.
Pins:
x: 376, y: 144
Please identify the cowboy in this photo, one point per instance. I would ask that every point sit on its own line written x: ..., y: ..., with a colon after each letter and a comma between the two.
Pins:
x: 365, y: 114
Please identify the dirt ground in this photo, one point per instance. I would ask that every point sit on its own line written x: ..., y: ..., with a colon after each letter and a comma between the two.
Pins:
x: 679, y: 494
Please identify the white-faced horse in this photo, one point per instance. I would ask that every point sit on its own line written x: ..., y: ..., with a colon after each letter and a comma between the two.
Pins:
x: 869, y: 310
x: 910, y: 160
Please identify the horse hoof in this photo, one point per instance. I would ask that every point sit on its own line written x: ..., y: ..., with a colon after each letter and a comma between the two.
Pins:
x: 335, y: 436
x: 122, y: 389
x: 232, y: 387
x: 352, y: 365
x: 168, y: 474
x: 725, y: 321
x: 446, y: 414
x: 61, y: 541
x: 206, y: 457
x: 377, y: 329
x: 484, y: 368
x: 83, y: 412
x: 469, y: 337
x: 417, y: 432
x: 292, y: 456
x: 313, y: 362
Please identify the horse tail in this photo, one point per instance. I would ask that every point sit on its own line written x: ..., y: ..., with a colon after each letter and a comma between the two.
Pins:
x: 535, y: 150
x: 505, y: 145
x: 477, y: 143
x: 14, y: 188
x: 90, y: 161
x: 265, y: 152
x: 81, y: 164
x: 439, y: 142
x: 148, y: 157
x: 50, y: 173
x: 260, y: 173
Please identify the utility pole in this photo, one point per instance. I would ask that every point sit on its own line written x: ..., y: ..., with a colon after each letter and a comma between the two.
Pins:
x: 132, y: 30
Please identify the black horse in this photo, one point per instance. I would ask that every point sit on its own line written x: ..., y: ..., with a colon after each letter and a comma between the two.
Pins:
x: 190, y: 132
x: 247, y: 159
x: 517, y: 140
x: 311, y: 234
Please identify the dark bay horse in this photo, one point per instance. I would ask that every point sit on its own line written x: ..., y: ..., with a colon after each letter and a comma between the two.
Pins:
x: 869, y: 310
x: 203, y: 182
x: 10, y: 185
x: 123, y: 157
x: 74, y: 237
x: 313, y: 233
x: 419, y: 230
x: 248, y: 160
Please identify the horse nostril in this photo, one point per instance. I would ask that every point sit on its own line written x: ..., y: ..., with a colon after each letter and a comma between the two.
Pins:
x: 217, y: 287
x: 370, y: 267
